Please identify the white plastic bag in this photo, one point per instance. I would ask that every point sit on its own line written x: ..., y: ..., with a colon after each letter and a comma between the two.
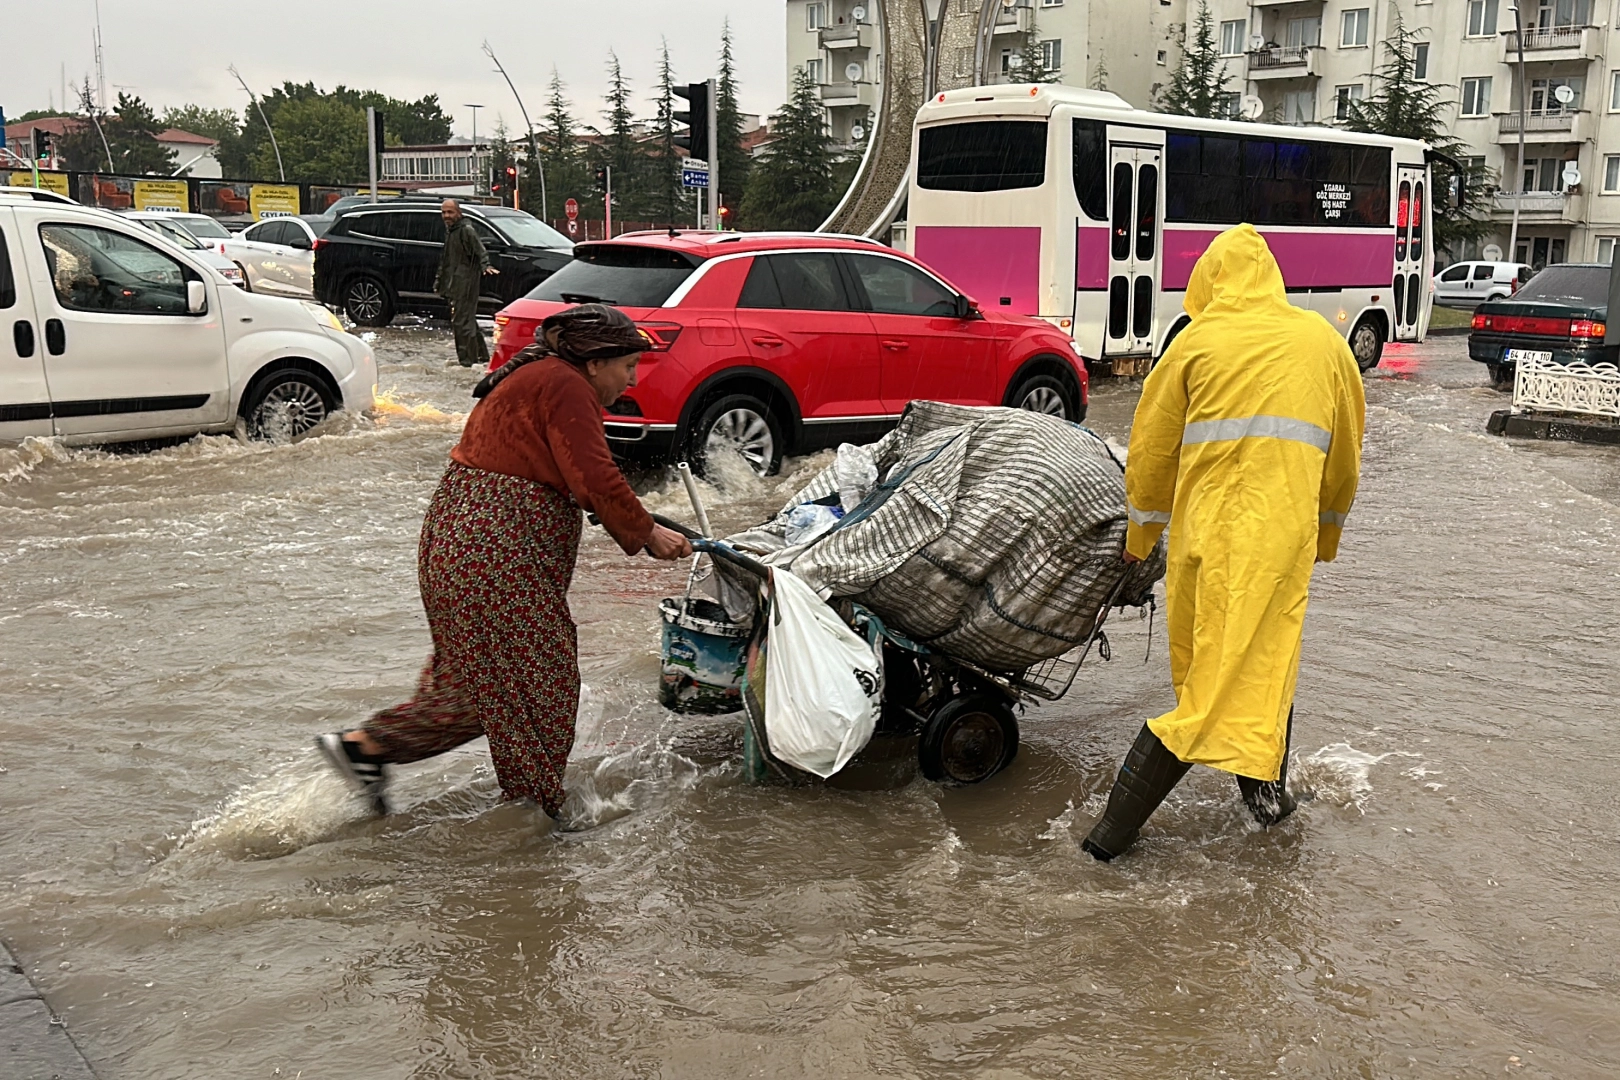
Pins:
x: 823, y: 682
x: 856, y: 472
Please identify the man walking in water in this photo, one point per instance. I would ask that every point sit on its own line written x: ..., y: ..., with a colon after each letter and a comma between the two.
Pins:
x: 462, y: 264
x: 1247, y: 443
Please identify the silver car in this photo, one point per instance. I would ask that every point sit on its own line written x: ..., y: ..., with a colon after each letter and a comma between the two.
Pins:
x: 171, y: 230
x: 278, y: 255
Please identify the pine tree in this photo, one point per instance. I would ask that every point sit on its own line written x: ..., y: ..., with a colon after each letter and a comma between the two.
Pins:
x: 1197, y: 87
x: 1099, y: 74
x: 734, y: 163
x: 1031, y: 59
x: 131, y: 139
x: 566, y: 174
x: 1410, y: 108
x: 792, y: 186
x: 664, y: 166
x: 500, y: 157
x: 618, y: 148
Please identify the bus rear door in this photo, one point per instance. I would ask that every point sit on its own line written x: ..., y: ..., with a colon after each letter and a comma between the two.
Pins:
x: 1135, y: 186
x: 1411, y: 285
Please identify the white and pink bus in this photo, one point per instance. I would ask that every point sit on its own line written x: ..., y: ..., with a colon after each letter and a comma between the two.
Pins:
x: 1070, y: 205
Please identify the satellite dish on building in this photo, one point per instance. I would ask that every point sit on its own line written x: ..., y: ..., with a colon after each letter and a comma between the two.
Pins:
x: 1564, y: 94
x: 852, y: 71
x: 858, y: 13
x: 1572, y: 174
x: 1492, y: 253
x: 1251, y: 107
x: 1256, y: 42
x: 858, y: 132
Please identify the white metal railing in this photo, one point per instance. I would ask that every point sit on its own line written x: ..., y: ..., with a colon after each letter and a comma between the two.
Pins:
x: 1553, y: 37
x: 1532, y: 201
x: 1538, y: 121
x: 1546, y: 386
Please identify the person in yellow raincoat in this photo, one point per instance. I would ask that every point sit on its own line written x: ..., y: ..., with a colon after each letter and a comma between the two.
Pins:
x: 1247, y: 444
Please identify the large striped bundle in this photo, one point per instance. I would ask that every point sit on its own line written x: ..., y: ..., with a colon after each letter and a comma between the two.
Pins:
x: 995, y: 536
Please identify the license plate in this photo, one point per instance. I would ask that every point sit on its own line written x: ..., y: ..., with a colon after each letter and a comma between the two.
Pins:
x: 1515, y: 356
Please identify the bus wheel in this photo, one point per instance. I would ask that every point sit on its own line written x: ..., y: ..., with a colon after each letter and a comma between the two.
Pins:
x: 1367, y: 342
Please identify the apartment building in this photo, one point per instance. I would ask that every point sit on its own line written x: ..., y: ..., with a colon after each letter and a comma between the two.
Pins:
x: 1304, y: 62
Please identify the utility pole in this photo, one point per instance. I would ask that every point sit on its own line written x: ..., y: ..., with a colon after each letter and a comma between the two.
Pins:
x: 607, y: 204
x: 714, y: 158
x: 279, y: 167
x: 1513, y: 236
x: 371, y: 149
x: 472, y: 161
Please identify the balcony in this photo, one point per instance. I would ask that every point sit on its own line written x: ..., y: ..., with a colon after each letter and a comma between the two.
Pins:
x: 839, y: 94
x: 1545, y: 207
x: 1285, y: 62
x: 1557, y: 44
x: 1015, y: 20
x: 1282, y: 3
x: 1543, y: 127
x: 849, y: 36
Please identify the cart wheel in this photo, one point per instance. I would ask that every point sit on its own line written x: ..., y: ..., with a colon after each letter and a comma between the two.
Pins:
x: 968, y: 740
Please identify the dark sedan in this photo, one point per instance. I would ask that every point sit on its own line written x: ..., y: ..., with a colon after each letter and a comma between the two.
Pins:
x: 1559, y: 315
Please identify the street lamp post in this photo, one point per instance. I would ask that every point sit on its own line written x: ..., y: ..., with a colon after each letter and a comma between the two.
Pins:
x: 472, y: 160
x: 534, y: 145
x: 1518, y: 200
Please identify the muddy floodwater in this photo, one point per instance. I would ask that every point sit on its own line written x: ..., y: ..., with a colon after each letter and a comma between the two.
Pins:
x: 199, y: 899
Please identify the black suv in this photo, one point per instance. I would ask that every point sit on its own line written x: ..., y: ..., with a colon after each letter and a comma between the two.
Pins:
x: 379, y: 260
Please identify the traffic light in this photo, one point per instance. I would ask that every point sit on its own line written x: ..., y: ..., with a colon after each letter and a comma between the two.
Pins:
x: 494, y: 182
x: 41, y: 142
x: 696, y: 118
x: 377, y: 129
x: 602, y: 178
x: 725, y: 217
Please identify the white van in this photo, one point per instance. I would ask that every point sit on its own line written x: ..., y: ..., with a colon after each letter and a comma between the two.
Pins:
x: 116, y: 336
x: 1469, y: 284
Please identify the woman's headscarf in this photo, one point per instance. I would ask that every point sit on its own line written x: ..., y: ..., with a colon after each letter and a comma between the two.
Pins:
x: 579, y: 334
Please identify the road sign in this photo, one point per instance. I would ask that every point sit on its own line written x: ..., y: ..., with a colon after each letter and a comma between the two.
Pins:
x: 571, y: 208
x: 694, y: 173
x: 573, y: 227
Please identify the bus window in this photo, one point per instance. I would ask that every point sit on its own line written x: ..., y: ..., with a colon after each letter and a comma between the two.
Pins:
x: 1147, y: 214
x: 1122, y: 211
x: 989, y: 155
x: 1258, y: 158
x: 1091, y: 168
x: 1293, y: 161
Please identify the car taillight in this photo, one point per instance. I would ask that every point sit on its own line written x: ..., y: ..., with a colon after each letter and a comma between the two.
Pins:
x: 1514, y: 285
x: 1481, y: 322
x: 319, y: 243
x: 661, y: 336
x: 1586, y: 328
x: 500, y: 324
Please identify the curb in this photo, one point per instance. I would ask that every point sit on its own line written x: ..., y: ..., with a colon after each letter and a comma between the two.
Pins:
x: 1448, y: 331
x: 34, y: 1044
x: 1562, y: 429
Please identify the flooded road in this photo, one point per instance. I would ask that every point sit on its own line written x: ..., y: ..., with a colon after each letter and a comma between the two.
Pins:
x: 199, y: 899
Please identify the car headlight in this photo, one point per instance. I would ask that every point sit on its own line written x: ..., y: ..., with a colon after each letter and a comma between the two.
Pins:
x: 323, y: 316
x: 231, y: 273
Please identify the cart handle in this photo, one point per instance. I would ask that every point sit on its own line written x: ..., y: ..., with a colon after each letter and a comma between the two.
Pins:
x: 719, y: 550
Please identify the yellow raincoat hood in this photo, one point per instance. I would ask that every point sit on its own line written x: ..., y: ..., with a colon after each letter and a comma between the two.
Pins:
x: 1247, y: 446
x: 1234, y: 274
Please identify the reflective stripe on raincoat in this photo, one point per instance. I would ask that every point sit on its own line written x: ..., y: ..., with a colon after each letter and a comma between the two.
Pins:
x: 1247, y: 443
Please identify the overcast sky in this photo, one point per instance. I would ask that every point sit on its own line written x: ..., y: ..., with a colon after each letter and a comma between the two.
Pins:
x: 176, y: 55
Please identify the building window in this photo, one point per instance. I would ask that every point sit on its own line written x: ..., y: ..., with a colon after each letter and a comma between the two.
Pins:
x: 1614, y: 91
x: 1605, y: 249
x: 1544, y: 95
x: 1229, y: 105
x: 1420, y: 62
x: 964, y: 62
x: 815, y: 16
x: 1051, y: 3
x: 1343, y: 97
x: 1481, y: 18
x: 1304, y: 33
x: 1353, y: 29
x: 1476, y: 97
x: 1052, y: 56
x: 1299, y: 107
x: 1162, y: 58
x: 1611, y: 174
x: 812, y: 68
x: 1233, y: 36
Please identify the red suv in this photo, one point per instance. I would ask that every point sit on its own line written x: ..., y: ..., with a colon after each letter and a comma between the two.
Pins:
x: 765, y: 344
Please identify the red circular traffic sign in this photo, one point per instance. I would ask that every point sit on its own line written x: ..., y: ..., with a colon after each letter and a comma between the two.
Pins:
x: 571, y: 208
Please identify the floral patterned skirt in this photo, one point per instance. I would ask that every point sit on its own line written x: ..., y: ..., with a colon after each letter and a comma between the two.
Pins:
x: 496, y: 559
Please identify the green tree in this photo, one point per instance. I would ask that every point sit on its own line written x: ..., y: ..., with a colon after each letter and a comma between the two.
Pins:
x: 1099, y: 74
x: 217, y: 124
x: 567, y: 175
x: 1410, y: 108
x: 1031, y: 59
x: 404, y: 122
x: 1197, y: 87
x: 793, y: 186
x: 617, y: 147
x: 323, y: 141
x: 131, y: 132
x: 36, y: 114
x: 663, y: 165
x: 734, y: 163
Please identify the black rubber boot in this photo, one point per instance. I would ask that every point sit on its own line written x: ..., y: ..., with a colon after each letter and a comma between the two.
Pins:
x: 1269, y: 800
x: 1149, y: 772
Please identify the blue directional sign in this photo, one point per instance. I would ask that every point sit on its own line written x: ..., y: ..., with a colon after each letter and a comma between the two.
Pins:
x: 694, y: 173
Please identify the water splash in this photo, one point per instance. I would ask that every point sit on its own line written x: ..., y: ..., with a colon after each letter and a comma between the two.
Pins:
x: 299, y: 804
x: 1339, y: 773
x: 17, y: 462
x: 388, y: 406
